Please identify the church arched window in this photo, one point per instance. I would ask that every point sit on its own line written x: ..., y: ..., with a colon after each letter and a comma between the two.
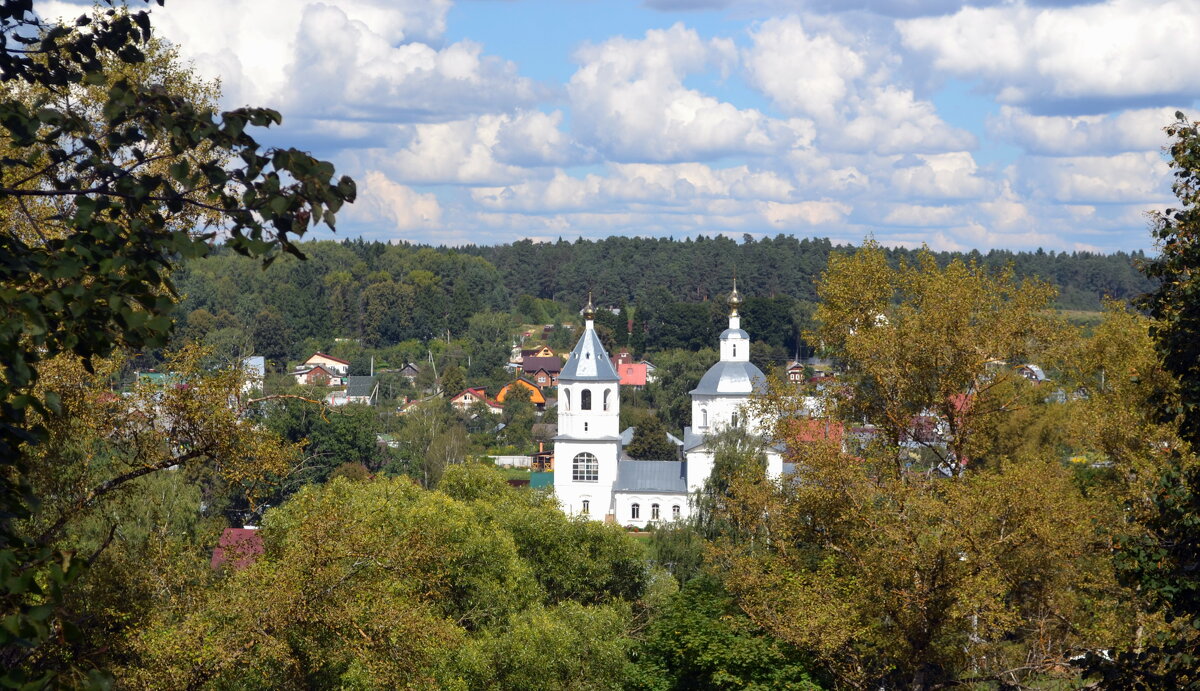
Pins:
x: 567, y: 399
x: 735, y: 350
x: 733, y: 421
x: 654, y: 512
x: 675, y: 512
x: 585, y: 399
x: 587, y: 507
x: 585, y: 468
x: 606, y: 393
x: 703, y: 418
x: 635, y: 511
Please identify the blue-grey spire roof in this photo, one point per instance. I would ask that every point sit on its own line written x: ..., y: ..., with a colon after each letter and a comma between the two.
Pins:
x: 589, y: 361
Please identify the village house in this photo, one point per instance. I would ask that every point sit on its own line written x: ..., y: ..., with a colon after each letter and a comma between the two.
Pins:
x: 410, y: 372
x: 795, y: 372
x: 470, y: 396
x: 329, y: 362
x: 632, y: 374
x: 317, y: 376
x: 543, y: 371
x: 536, y: 397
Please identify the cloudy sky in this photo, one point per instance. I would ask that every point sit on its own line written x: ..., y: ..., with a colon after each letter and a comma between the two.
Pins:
x: 960, y: 125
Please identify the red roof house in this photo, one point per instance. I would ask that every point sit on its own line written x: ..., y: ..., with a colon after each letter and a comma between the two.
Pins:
x: 632, y: 374
x: 238, y: 547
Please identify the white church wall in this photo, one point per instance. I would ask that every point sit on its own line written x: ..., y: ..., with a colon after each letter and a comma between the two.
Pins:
x: 624, y: 503
x: 570, y: 492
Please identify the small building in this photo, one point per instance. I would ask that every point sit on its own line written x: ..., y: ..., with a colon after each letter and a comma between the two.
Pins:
x: 362, y: 390
x: 542, y: 371
x: 795, y: 372
x: 632, y: 374
x: 1033, y: 373
x: 329, y: 362
x: 536, y: 397
x: 410, y: 372
x: 238, y: 548
x: 317, y: 376
x: 470, y: 397
x: 540, y: 351
x: 651, y: 371
x: 543, y: 460
x: 623, y: 357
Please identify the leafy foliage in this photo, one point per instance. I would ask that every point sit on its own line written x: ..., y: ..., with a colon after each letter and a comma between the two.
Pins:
x: 103, y: 196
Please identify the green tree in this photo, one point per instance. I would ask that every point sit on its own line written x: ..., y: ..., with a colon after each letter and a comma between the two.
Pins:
x: 488, y: 334
x: 1161, y: 561
x: 453, y: 381
x: 110, y: 180
x: 518, y: 419
x: 650, y: 441
x: 701, y: 640
x: 272, y: 338
x: 387, y: 313
x: 922, y: 339
x: 897, y: 575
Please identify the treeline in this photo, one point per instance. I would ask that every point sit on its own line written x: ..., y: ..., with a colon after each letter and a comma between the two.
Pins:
x: 664, y: 293
x: 623, y: 269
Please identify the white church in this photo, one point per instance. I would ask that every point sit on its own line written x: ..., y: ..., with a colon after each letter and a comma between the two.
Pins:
x: 595, y: 478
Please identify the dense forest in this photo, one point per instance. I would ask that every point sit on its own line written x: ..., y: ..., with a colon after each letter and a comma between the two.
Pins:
x: 662, y: 290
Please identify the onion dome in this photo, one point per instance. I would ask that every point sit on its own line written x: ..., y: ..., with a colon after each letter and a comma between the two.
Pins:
x: 589, y: 310
x: 735, y: 300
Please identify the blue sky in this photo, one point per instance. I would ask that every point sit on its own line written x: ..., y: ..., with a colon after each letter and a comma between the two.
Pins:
x: 987, y: 124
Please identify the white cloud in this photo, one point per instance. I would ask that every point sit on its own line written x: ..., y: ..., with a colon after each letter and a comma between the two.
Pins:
x: 940, y: 176
x: 534, y: 138
x: 337, y: 58
x: 1109, y: 50
x: 802, y: 73
x: 691, y: 186
x: 813, y: 213
x: 1131, y: 130
x: 917, y: 215
x: 849, y: 90
x: 465, y: 151
x: 1128, y: 177
x: 382, y: 200
x: 629, y: 101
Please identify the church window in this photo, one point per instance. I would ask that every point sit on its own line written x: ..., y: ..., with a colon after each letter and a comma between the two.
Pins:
x: 703, y: 418
x: 585, y: 468
x: 735, y: 350
x: 585, y: 427
x: 606, y: 393
x: 587, y: 507
x: 733, y: 421
x: 675, y: 512
x: 654, y: 512
x: 635, y: 511
x: 567, y: 393
x: 585, y: 400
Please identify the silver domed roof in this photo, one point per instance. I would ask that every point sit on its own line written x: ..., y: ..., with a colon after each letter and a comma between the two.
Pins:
x: 731, y: 379
x: 734, y: 333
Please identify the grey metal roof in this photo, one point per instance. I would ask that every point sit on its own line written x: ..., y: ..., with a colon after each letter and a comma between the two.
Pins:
x: 651, y: 476
x: 733, y: 333
x: 589, y: 361
x: 731, y: 378
x: 359, y: 386
x: 627, y: 436
x: 691, y: 439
